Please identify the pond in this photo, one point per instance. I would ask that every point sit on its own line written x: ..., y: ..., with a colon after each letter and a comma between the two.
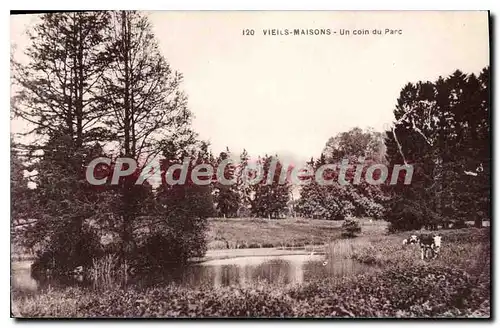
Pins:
x: 279, y: 270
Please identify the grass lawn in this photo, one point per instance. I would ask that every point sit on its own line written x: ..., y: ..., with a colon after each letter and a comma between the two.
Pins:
x: 257, y: 233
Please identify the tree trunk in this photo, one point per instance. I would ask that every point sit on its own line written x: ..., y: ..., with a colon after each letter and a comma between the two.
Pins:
x: 126, y: 100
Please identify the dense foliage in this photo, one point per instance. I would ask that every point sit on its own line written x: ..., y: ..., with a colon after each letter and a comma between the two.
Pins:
x: 271, y: 194
x: 443, y: 129
x: 345, y: 195
x: 226, y: 197
x: 96, y: 85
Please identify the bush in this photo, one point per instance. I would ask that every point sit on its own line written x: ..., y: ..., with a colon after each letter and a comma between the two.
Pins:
x: 66, y: 250
x: 171, y: 248
x: 350, y: 228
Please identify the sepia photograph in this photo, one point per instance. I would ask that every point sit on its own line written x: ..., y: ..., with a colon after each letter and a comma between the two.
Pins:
x: 250, y: 164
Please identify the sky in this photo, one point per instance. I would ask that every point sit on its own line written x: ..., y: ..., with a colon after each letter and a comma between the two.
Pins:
x: 288, y: 95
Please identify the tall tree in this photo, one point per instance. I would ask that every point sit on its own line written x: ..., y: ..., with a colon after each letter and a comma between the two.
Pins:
x: 270, y: 199
x: 226, y: 194
x: 442, y: 128
x: 22, y: 205
x: 244, y: 188
x: 336, y: 201
x: 142, y: 90
x: 97, y: 80
x: 146, y: 105
x: 59, y: 86
x: 182, y: 209
x: 355, y: 143
x: 57, y: 94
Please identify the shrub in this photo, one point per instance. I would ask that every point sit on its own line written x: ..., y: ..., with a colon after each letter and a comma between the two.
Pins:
x: 65, y: 251
x: 164, y: 249
x: 350, y: 228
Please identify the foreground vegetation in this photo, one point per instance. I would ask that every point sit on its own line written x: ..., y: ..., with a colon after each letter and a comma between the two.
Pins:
x: 456, y: 284
x: 464, y: 248
x: 420, y: 292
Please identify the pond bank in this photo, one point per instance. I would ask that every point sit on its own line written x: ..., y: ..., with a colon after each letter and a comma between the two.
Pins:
x: 222, y: 254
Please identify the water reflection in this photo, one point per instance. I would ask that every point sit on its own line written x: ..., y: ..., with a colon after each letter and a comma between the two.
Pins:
x: 278, y: 270
x: 286, y: 269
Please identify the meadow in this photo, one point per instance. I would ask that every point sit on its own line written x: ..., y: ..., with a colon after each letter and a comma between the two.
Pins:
x: 291, y: 232
x: 456, y: 284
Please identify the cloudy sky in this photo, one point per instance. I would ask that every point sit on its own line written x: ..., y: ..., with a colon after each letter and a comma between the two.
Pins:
x: 289, y: 94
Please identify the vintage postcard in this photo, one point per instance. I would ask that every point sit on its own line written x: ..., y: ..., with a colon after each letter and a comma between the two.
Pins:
x: 250, y: 164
